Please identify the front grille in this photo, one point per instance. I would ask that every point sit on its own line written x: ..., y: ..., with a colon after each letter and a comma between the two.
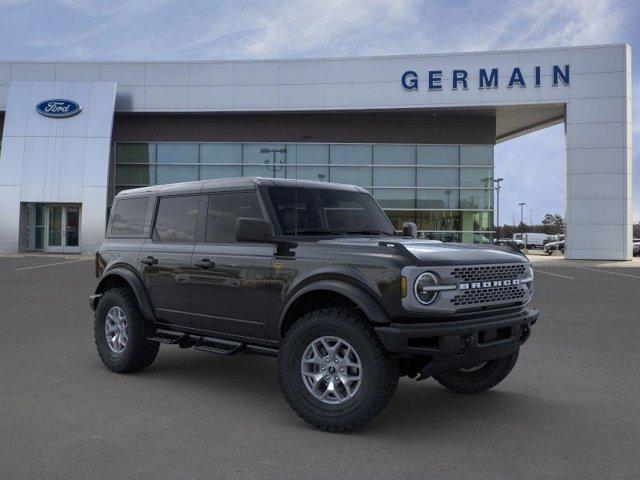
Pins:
x: 488, y: 273
x: 489, y: 295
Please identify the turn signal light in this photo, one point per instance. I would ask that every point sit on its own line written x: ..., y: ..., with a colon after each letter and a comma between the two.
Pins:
x: 403, y: 286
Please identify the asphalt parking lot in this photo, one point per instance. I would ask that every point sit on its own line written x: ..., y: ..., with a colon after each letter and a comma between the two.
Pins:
x: 570, y: 408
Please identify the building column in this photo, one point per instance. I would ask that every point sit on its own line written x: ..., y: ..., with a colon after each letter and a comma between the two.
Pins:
x: 598, y: 173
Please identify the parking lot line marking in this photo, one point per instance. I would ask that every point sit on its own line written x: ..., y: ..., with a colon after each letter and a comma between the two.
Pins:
x: 52, y: 264
x: 611, y: 273
x: 554, y: 274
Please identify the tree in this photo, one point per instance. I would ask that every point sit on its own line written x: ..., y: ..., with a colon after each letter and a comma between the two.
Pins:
x: 553, y: 223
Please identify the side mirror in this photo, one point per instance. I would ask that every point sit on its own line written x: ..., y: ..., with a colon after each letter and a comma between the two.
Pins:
x: 409, y: 229
x: 253, y: 230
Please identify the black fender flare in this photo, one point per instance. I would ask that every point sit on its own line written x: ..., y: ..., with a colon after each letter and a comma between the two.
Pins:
x: 136, y: 285
x: 367, y: 303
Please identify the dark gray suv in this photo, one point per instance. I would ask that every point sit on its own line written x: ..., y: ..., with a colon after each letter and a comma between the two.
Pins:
x: 314, y: 274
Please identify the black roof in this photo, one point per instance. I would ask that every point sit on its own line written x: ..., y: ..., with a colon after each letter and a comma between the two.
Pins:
x: 236, y: 183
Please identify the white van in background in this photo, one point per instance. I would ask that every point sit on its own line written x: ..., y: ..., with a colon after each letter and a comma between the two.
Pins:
x: 531, y: 240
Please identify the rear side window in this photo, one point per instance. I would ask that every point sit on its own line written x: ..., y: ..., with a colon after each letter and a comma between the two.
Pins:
x: 223, y: 211
x: 128, y: 216
x: 176, y: 219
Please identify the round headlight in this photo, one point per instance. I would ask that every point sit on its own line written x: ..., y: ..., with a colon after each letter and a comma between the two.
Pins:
x: 423, y: 288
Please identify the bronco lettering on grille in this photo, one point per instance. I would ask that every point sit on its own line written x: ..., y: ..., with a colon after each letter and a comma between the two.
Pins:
x: 493, y: 283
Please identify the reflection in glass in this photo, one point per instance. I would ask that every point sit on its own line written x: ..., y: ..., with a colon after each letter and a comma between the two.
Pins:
x: 55, y: 226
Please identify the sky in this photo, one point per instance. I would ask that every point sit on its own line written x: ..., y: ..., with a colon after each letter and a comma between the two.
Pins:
x: 532, y: 165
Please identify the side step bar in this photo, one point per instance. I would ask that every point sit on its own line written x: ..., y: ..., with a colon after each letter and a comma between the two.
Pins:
x: 220, y: 346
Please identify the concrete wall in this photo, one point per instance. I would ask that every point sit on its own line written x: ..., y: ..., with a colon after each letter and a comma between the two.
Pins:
x: 56, y: 160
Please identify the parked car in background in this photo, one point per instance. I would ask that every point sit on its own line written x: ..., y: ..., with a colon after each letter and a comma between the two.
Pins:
x: 519, y: 244
x: 636, y: 247
x: 531, y: 240
x: 551, y: 247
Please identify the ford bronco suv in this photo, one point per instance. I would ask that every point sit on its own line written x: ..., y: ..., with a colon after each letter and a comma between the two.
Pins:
x: 315, y: 274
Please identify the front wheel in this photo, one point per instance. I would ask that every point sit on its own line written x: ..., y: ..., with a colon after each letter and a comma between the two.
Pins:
x: 478, y: 378
x: 333, y: 370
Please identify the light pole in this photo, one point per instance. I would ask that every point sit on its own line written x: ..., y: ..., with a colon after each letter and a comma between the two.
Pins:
x: 497, y: 181
x: 522, y: 213
x: 275, y: 167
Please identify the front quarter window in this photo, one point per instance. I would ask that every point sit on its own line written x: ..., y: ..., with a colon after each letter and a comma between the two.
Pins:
x: 317, y: 211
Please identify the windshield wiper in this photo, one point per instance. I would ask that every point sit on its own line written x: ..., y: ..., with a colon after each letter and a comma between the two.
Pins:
x: 367, y: 232
x: 314, y: 231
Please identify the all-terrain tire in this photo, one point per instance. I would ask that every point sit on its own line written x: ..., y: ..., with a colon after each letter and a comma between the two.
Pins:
x: 139, y: 352
x: 379, y: 374
x: 472, y: 382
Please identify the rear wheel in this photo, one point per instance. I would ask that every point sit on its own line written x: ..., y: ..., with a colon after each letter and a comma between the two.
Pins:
x: 477, y: 378
x: 333, y: 370
x: 121, y: 331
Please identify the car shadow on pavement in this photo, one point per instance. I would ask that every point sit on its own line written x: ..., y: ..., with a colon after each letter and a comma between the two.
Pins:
x: 415, y: 409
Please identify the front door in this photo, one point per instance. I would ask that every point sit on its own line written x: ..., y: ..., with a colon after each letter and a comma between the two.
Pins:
x: 230, y: 281
x: 61, y: 228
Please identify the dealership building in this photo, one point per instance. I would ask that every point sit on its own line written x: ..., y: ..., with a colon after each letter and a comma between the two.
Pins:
x: 418, y: 131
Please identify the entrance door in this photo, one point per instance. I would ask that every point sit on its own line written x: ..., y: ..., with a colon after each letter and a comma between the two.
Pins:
x: 55, y: 230
x: 61, y: 228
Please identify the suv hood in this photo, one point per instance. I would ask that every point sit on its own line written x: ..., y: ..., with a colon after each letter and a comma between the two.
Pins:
x: 433, y: 252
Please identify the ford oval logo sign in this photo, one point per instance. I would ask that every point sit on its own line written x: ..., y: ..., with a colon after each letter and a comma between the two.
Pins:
x: 58, y: 108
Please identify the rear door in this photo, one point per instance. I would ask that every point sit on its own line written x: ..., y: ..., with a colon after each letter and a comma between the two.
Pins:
x: 165, y: 259
x: 230, y: 280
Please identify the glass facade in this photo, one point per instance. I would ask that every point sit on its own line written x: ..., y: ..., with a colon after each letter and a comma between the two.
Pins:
x: 447, y: 190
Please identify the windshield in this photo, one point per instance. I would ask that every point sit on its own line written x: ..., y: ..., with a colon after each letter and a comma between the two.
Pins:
x: 317, y: 211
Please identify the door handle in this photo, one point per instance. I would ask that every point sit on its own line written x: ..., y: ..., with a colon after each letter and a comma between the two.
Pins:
x: 205, y: 263
x: 149, y: 260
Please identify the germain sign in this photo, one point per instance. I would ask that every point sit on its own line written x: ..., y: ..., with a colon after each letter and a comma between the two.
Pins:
x: 58, y: 108
x: 487, y: 78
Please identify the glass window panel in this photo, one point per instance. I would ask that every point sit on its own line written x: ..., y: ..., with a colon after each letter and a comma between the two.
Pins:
x: 208, y: 172
x: 135, y: 152
x: 476, y: 177
x: 451, y: 237
x: 39, y: 238
x: 259, y: 164
x: 176, y: 173
x: 135, y: 175
x: 394, y: 154
x: 351, y: 175
x: 312, y: 154
x: 438, y: 199
x: 319, y: 174
x: 476, y: 221
x: 395, y: 198
x: 394, y: 177
x: 476, y: 199
x: 128, y: 217
x: 476, y: 155
x: 40, y: 218
x: 351, y: 154
x: 177, y: 153
x: 438, y: 177
x: 223, y: 211
x: 176, y: 219
x: 399, y: 217
x: 438, y: 155
x: 221, y: 153
x: 477, y: 238
x: 438, y: 220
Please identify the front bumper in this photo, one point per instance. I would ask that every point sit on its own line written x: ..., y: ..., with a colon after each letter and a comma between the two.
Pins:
x: 451, y: 345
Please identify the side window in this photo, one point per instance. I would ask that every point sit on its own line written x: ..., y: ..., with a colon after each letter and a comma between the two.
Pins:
x: 224, y: 209
x: 128, y: 216
x: 176, y: 219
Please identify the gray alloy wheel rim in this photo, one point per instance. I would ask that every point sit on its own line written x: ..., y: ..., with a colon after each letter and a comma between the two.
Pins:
x: 116, y: 330
x: 331, y: 370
